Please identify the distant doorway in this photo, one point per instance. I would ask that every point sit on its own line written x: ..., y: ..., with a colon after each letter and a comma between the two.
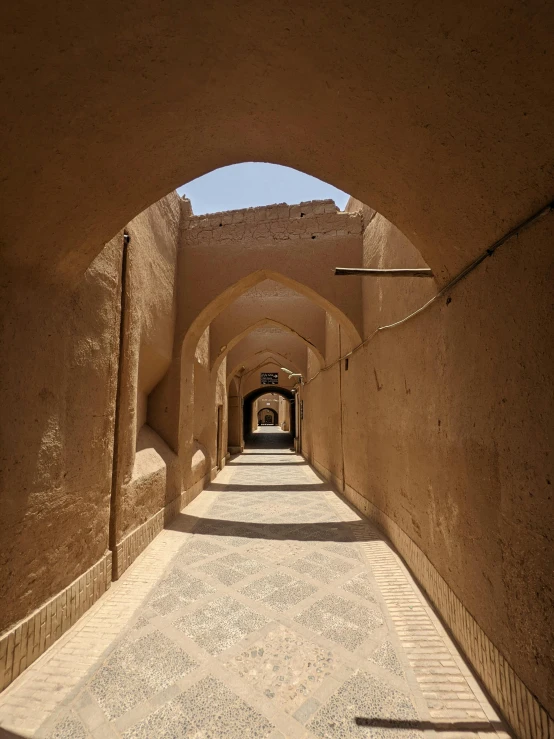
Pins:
x: 250, y: 415
x: 267, y: 417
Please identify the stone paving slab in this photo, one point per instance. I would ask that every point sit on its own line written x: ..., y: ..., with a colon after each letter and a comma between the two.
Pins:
x: 269, y: 608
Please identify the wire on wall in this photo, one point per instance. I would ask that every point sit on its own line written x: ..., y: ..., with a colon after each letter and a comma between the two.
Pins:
x: 447, y: 288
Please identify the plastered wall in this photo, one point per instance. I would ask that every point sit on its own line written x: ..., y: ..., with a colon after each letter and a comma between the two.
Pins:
x: 266, y: 401
x: 147, y: 468
x: 447, y: 430
x: 58, y: 374
x: 284, y: 413
x: 87, y: 473
x: 160, y: 468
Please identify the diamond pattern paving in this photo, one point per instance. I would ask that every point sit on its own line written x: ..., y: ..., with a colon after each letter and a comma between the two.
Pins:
x: 360, y: 585
x: 386, y: 657
x: 279, y: 591
x: 342, y: 621
x: 69, y: 728
x: 208, y: 709
x: 285, y: 667
x: 220, y: 624
x: 365, y: 706
x: 178, y: 589
x: 137, y: 670
x: 320, y: 566
x: 266, y: 620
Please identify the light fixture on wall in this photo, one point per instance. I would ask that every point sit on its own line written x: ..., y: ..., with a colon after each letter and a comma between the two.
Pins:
x: 290, y: 373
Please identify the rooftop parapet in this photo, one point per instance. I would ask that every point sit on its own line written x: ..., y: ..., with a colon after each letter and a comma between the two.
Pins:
x: 313, y: 219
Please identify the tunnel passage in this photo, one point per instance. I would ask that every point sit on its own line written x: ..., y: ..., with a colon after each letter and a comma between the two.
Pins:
x: 371, y: 429
x: 441, y: 431
x: 252, y: 396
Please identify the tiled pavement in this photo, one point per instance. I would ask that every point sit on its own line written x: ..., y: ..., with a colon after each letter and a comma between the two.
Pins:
x: 268, y: 609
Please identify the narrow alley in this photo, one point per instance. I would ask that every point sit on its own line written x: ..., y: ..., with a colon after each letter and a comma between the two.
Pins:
x: 268, y: 608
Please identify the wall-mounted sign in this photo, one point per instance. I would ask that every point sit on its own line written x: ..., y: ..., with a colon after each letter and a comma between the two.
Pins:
x: 269, y: 378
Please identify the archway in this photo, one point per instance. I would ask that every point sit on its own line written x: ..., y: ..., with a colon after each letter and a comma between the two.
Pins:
x: 268, y: 417
x: 263, y: 390
x: 260, y: 361
x: 179, y: 381
x: 283, y: 329
x: 347, y: 134
x: 336, y: 298
x: 268, y: 301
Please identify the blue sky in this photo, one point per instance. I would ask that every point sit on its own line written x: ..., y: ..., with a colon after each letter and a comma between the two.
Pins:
x: 256, y: 183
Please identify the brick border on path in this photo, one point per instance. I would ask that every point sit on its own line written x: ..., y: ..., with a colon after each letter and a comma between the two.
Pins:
x: 129, y: 548
x: 518, y: 705
x: 31, y: 637
x: 36, y: 694
x: 451, y: 692
x: 25, y: 642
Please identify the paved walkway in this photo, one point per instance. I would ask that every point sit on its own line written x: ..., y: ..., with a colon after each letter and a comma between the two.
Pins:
x: 268, y: 609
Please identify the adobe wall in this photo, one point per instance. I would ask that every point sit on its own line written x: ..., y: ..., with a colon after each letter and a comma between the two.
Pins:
x: 452, y: 158
x: 58, y: 375
x: 321, y: 436
x: 201, y: 392
x: 284, y: 413
x: 447, y: 428
x: 235, y: 442
x: 148, y: 470
x: 153, y: 258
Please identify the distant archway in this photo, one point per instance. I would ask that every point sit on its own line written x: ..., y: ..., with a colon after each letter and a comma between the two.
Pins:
x: 263, y: 323
x: 268, y: 417
x: 263, y: 390
x: 258, y: 361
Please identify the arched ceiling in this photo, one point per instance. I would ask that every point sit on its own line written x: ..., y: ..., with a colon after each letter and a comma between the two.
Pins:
x: 197, y: 310
x: 252, y: 384
x: 253, y: 395
x: 266, y: 337
x: 284, y: 343
x: 439, y: 115
x: 265, y: 361
x: 268, y: 301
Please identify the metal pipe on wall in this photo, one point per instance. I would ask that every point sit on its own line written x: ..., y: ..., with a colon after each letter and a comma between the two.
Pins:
x: 416, y: 272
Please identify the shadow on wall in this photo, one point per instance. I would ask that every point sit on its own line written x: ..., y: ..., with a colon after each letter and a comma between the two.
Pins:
x: 5, y: 734
x: 201, y: 464
x: 155, y: 480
